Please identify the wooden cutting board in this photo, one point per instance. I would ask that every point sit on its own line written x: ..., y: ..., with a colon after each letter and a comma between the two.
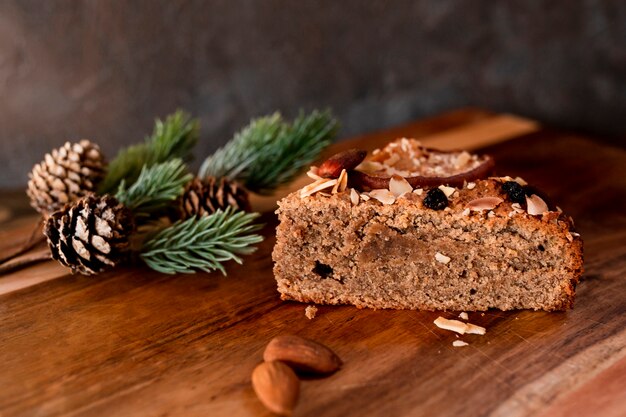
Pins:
x: 132, y: 342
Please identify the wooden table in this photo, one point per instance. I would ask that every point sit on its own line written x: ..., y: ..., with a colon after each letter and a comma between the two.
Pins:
x: 132, y: 342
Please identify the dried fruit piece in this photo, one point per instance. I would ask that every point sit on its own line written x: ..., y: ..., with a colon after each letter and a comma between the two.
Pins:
x: 436, y: 199
x: 348, y: 160
x: 277, y: 386
x: 515, y: 191
x: 302, y: 354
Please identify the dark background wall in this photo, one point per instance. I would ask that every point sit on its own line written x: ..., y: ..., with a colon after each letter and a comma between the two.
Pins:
x: 105, y: 69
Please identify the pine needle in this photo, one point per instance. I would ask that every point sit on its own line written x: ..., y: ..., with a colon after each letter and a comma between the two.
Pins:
x: 202, y: 243
x: 156, y: 187
x: 173, y: 138
x: 270, y: 152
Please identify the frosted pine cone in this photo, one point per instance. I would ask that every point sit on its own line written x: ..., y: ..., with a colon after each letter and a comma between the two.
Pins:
x: 65, y: 175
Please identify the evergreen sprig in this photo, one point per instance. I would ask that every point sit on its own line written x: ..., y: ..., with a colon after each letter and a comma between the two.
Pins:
x: 202, y: 243
x: 155, y: 189
x: 270, y: 152
x: 173, y: 138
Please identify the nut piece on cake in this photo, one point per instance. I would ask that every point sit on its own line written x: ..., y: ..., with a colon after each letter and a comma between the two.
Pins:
x: 460, y: 240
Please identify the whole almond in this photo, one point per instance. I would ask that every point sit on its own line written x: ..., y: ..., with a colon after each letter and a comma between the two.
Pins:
x: 348, y: 160
x: 302, y: 354
x: 276, y: 386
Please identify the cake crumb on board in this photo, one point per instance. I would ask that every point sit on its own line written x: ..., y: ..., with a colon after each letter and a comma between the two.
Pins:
x: 310, y: 312
x: 459, y: 343
x: 464, y: 316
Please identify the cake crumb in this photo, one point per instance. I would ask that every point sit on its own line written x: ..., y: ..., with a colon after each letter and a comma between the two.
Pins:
x: 440, y: 257
x: 463, y: 316
x: 310, y: 312
x: 459, y: 343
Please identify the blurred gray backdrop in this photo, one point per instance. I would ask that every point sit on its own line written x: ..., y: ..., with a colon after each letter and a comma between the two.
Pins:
x: 104, y: 69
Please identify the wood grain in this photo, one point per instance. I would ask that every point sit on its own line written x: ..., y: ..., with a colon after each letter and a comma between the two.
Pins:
x: 135, y: 343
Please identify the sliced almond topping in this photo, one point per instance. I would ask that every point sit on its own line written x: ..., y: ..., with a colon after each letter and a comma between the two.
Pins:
x: 316, y: 186
x: 452, y: 325
x: 517, y: 207
x: 466, y: 212
x: 440, y: 257
x: 343, y: 182
x: 471, y: 185
x: 384, y: 196
x: 370, y: 166
x: 459, y: 343
x: 398, y: 186
x: 463, y: 316
x: 520, y: 181
x: 312, y: 173
x: 535, y: 205
x: 343, y: 177
x: 354, y: 196
x: 418, y: 191
x: 364, y: 197
x: 484, y: 203
x: 448, y: 191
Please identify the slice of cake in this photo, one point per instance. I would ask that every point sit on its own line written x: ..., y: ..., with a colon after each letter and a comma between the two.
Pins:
x: 414, y: 228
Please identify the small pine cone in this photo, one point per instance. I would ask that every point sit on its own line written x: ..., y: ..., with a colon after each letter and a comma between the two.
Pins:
x: 65, y: 175
x: 90, y: 234
x: 208, y: 196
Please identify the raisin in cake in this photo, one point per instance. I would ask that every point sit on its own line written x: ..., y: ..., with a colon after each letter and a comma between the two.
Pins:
x: 414, y: 228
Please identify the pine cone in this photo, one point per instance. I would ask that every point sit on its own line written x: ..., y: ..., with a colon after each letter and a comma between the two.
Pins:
x: 208, y: 196
x: 65, y: 175
x: 90, y: 234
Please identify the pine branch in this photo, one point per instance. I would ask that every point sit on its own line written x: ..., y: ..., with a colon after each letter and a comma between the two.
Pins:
x: 202, y: 243
x: 173, y: 138
x: 270, y: 152
x: 156, y: 187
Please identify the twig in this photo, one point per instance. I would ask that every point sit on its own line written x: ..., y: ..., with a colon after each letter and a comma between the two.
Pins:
x: 25, y: 260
